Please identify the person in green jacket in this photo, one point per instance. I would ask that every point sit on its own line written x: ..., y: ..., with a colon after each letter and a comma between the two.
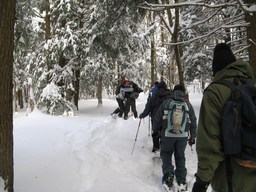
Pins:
x: 211, y: 168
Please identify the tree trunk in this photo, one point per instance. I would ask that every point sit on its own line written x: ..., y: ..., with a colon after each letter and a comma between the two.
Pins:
x: 251, y: 36
x: 153, y: 61
x: 47, y: 36
x: 7, y: 15
x: 153, y: 51
x: 99, y: 90
x: 177, y: 47
x: 20, y: 99
x: 77, y: 88
x: 47, y: 20
x: 15, y: 102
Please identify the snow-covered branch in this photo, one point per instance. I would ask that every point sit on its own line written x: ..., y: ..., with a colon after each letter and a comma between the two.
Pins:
x: 247, y: 8
x: 160, y: 7
x: 210, y: 33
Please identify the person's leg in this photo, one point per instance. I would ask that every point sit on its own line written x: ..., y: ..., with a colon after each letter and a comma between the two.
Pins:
x: 180, y: 160
x: 167, y: 148
x: 156, y: 144
x: 121, y: 106
x: 133, y: 106
x: 117, y: 110
x: 127, y: 108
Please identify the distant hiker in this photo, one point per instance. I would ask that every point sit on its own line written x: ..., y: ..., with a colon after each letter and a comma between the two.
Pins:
x: 127, y: 93
x: 170, y: 122
x: 223, y: 172
x: 153, y: 103
x: 120, y: 98
x: 154, y: 89
x: 131, y: 99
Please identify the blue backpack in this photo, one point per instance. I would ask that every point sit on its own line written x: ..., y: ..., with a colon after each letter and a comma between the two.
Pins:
x: 239, y: 123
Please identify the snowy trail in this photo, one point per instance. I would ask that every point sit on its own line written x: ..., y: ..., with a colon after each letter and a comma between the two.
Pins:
x: 89, y: 152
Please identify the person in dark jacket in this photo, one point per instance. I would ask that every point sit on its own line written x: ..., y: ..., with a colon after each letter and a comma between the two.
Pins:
x: 211, y: 167
x: 174, y: 142
x: 130, y: 92
x: 151, y: 107
x: 120, y: 98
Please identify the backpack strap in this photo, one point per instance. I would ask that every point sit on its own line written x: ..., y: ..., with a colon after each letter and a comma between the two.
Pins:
x: 235, y: 93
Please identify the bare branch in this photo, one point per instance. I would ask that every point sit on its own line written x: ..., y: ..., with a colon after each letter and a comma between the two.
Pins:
x: 209, y: 34
x: 166, y: 24
x: 253, y: 42
x: 245, y: 7
x: 203, y: 21
x: 161, y: 7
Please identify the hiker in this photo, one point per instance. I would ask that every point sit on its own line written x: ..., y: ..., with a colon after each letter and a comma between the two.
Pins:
x: 127, y: 93
x: 213, y: 166
x: 120, y: 98
x: 153, y: 90
x: 170, y: 121
x: 151, y: 107
x: 131, y: 97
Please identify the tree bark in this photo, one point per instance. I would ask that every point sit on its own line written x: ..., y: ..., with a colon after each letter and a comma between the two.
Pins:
x: 7, y: 15
x: 77, y: 88
x: 177, y: 47
x: 251, y: 36
x: 99, y: 90
x: 153, y: 61
x: 153, y: 74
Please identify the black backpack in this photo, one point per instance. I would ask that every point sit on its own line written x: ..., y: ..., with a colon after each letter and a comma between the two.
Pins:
x: 158, y: 99
x: 239, y: 123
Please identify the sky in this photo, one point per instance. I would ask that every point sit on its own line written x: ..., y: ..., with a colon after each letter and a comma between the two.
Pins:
x: 90, y: 151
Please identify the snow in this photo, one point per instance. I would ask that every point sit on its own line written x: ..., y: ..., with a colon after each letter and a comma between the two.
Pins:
x: 89, y: 152
x: 2, y: 185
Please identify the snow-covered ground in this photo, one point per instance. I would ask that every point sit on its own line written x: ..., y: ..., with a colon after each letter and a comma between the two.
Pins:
x: 90, y: 151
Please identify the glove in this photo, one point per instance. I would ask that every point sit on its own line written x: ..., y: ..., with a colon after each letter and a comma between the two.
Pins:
x: 199, y: 185
x: 141, y: 116
x: 191, y: 141
x: 156, y: 134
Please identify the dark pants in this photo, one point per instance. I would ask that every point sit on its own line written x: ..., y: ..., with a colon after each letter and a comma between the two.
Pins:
x: 156, y: 140
x: 176, y: 146
x: 121, y: 107
x: 130, y: 103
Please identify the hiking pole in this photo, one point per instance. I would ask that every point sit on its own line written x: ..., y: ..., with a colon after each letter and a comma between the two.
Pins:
x: 136, y: 136
x: 148, y: 126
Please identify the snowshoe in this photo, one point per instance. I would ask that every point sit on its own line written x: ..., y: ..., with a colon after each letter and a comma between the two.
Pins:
x: 167, y: 182
x: 182, y: 187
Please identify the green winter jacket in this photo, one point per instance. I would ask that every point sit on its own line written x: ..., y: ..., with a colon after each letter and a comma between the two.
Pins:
x: 211, y: 160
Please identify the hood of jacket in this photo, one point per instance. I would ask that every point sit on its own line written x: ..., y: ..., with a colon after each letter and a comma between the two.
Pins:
x: 238, y: 68
x: 178, y: 95
x: 162, y: 92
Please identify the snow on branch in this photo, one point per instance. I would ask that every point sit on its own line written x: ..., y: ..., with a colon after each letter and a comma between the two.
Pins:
x: 161, y: 7
x: 210, y: 33
x: 246, y: 7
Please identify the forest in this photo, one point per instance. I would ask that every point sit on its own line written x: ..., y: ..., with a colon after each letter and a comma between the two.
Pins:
x: 57, y: 52
x: 66, y: 50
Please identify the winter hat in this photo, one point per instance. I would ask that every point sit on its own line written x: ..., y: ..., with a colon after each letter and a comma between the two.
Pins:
x: 162, y: 84
x: 179, y: 87
x: 222, y: 56
x: 125, y: 81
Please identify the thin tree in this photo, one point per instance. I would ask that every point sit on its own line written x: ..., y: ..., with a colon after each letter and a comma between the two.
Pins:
x: 250, y: 17
x: 7, y: 15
